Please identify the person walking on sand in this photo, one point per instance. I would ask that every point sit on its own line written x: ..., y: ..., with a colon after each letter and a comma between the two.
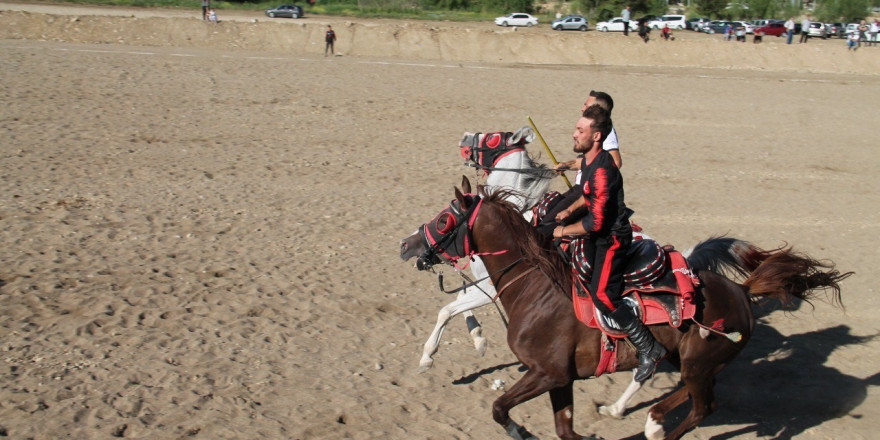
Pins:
x: 329, y: 39
x: 789, y: 29
x: 626, y: 15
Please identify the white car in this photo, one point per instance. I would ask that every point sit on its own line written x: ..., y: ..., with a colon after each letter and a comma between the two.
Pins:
x: 616, y: 25
x: 517, y: 19
x: 750, y: 28
x: 675, y: 22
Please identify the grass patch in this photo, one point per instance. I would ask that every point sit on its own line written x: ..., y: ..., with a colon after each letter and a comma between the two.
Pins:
x: 335, y: 9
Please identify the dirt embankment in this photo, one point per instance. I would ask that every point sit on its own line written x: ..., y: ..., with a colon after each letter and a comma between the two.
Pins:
x: 463, y: 42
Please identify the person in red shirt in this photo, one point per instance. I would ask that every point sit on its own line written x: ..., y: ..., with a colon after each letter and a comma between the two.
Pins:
x: 598, y: 224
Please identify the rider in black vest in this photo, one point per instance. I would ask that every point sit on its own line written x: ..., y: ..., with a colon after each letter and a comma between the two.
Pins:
x: 599, y: 226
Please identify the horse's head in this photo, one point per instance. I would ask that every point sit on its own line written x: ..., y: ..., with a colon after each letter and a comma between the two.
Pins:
x: 447, y: 236
x: 484, y: 149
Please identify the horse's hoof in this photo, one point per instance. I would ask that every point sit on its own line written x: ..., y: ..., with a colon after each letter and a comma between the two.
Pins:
x: 518, y: 432
x: 425, y: 365
x: 610, y: 411
x: 480, y: 345
x: 653, y: 430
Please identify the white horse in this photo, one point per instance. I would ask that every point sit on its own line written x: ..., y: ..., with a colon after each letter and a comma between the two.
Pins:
x: 528, y: 181
x: 513, y: 170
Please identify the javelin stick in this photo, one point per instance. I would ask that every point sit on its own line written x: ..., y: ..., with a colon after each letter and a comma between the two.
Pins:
x: 552, y: 157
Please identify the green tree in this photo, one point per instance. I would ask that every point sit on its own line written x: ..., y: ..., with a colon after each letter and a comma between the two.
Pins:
x: 711, y: 8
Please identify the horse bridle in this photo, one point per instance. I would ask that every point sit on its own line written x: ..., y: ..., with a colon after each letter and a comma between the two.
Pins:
x: 484, y: 150
x: 445, y: 234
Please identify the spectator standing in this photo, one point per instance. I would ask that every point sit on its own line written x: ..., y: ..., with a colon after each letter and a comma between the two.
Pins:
x: 329, y: 39
x: 789, y: 29
x: 205, y: 4
x: 728, y: 32
x: 626, y: 15
x: 863, y: 33
x: 875, y: 29
x: 805, y: 29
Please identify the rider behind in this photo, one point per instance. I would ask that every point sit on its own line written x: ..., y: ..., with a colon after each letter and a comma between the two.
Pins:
x: 599, y: 226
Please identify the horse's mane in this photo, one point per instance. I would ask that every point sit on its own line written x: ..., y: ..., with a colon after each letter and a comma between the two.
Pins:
x: 535, y: 248
x: 532, y: 181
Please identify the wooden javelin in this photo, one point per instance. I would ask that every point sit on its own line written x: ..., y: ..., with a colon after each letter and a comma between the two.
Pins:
x: 552, y: 157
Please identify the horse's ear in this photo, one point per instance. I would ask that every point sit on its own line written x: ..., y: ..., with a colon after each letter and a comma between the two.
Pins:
x: 465, y: 185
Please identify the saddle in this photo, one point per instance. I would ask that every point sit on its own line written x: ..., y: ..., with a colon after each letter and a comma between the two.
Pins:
x: 658, y: 285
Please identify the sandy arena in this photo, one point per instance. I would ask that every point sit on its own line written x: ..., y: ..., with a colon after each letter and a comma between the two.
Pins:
x: 200, y: 222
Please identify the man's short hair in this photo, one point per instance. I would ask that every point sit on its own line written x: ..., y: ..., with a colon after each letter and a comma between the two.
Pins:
x: 601, y: 120
x: 603, y: 99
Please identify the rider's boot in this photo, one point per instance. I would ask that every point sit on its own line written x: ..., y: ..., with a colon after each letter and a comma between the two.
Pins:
x: 650, y: 351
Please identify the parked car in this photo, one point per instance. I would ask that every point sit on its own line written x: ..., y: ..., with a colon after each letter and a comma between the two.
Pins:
x: 850, y: 28
x: 571, y: 22
x: 750, y: 28
x: 695, y: 24
x: 717, y: 26
x: 775, y: 29
x: 517, y: 19
x: 289, y: 11
x: 676, y: 22
x: 839, y: 29
x: 817, y: 30
x: 615, y: 25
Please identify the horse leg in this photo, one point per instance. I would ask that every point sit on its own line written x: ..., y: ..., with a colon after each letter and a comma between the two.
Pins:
x: 469, y: 300
x: 485, y: 287
x: 531, y: 385
x: 700, y: 387
x: 562, y: 399
x: 617, y: 409
x: 657, y: 413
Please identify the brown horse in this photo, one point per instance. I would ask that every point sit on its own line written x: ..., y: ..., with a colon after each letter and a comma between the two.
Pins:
x: 534, y: 287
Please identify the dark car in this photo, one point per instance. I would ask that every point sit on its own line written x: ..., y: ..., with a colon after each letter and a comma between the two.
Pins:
x: 839, y: 30
x: 775, y: 29
x: 289, y: 11
x: 718, y: 26
x: 571, y: 22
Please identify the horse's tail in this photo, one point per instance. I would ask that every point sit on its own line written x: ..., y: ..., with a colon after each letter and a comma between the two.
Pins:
x: 725, y: 255
x: 787, y: 274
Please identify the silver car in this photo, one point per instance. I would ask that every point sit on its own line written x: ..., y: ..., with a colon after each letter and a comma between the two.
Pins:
x: 291, y: 11
x: 571, y: 22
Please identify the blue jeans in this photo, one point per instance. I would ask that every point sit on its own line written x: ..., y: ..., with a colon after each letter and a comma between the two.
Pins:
x: 852, y: 44
x: 790, y: 34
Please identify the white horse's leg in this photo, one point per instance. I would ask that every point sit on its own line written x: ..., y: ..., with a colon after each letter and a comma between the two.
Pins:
x: 617, y: 409
x: 470, y: 299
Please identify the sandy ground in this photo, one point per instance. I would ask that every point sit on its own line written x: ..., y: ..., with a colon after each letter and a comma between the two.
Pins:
x: 200, y: 239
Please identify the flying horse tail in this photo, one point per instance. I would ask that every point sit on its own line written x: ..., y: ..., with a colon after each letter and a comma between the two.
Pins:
x: 780, y: 273
x: 787, y: 274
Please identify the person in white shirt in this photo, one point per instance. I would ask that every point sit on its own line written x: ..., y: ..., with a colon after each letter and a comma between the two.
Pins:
x: 874, y: 30
x: 805, y: 29
x: 789, y: 29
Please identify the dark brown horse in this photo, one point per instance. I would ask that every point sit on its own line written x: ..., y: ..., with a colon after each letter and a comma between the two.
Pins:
x: 534, y: 285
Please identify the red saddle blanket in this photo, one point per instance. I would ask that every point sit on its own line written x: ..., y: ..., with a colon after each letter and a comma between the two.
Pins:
x: 667, y: 300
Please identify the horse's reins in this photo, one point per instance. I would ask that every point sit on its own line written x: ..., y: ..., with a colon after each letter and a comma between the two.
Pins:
x: 535, y: 171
